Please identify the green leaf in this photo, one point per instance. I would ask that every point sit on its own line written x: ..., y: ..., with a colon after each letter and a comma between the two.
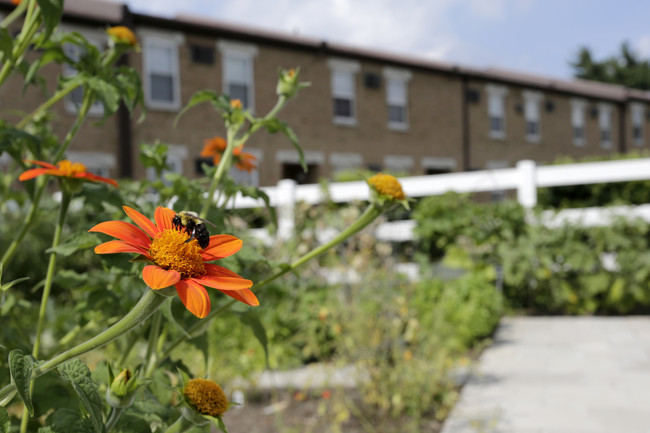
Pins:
x: 21, y: 368
x: 5, y: 422
x: 105, y: 92
x: 274, y: 125
x: 78, y: 241
x: 78, y: 374
x: 51, y: 11
x: 6, y: 43
x: 10, y: 284
x: 131, y: 424
x: 197, y: 98
x: 66, y: 421
x: 252, y: 320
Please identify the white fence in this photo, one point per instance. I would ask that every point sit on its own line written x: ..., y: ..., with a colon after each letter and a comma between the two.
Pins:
x: 525, y: 178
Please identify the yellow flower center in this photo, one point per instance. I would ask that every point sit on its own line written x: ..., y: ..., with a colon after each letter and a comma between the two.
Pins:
x: 388, y: 185
x: 71, y: 168
x: 170, y: 251
x: 206, y: 397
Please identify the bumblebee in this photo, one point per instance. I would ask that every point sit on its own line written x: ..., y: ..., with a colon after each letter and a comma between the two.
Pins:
x: 193, y: 225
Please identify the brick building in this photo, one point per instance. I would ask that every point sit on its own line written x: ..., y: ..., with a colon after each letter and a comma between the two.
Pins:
x: 364, y: 109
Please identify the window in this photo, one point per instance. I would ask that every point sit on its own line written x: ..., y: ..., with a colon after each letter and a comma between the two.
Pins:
x: 438, y: 165
x: 638, y: 115
x: 578, y: 107
x: 398, y: 164
x: 342, y: 162
x: 290, y: 167
x: 532, y: 102
x: 238, y: 76
x: 605, y: 122
x: 161, y: 72
x: 343, y: 90
x: 74, y: 99
x: 496, y: 110
x: 397, y: 97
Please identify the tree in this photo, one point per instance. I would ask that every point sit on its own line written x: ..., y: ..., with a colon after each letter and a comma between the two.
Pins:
x: 625, y: 68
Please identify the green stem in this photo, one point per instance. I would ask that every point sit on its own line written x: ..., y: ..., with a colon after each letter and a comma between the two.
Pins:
x: 113, y: 417
x: 18, y: 11
x: 148, y: 303
x: 233, y: 142
x: 86, y: 103
x: 369, y: 215
x: 60, y: 94
x: 29, y: 29
x: 151, y: 356
x: 218, y: 174
x: 49, y: 276
x: 40, y: 186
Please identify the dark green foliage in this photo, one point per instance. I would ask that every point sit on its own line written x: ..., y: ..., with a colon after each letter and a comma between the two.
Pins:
x: 625, y: 68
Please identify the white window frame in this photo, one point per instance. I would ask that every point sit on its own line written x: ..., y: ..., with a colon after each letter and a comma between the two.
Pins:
x: 99, y: 40
x: 341, y: 161
x: 638, y: 112
x: 532, y: 113
x: 171, y: 41
x: 399, y: 77
x: 605, y: 123
x: 350, y: 68
x: 438, y: 163
x: 240, y: 52
x: 578, y: 120
x: 496, y: 102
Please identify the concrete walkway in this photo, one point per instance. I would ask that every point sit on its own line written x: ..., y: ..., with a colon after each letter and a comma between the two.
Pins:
x: 560, y: 375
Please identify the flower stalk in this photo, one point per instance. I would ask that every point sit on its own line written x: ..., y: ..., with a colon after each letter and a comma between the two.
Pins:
x: 147, y: 305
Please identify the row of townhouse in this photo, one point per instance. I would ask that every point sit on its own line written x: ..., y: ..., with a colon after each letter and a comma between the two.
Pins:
x: 364, y: 109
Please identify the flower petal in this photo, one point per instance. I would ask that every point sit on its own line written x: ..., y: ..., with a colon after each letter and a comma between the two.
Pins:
x: 123, y: 231
x: 194, y: 297
x: 221, y: 278
x: 221, y: 246
x: 158, y: 278
x: 142, y: 221
x: 112, y: 247
x: 163, y: 217
x: 95, y: 178
x: 245, y: 296
x: 32, y: 173
x: 41, y: 163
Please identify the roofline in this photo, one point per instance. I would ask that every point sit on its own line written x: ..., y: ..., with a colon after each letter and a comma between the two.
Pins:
x: 213, y: 28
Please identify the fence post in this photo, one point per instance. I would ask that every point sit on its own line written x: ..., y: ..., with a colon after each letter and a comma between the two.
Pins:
x: 527, y: 186
x: 286, y: 205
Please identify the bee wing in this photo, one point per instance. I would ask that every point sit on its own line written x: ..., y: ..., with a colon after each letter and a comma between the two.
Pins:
x: 206, y: 221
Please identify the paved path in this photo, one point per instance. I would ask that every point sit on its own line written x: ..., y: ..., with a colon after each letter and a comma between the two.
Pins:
x: 560, y: 375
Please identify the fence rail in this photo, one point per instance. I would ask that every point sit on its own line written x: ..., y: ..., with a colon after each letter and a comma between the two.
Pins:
x: 525, y: 178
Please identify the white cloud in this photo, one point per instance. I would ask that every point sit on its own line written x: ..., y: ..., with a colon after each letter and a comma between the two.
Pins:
x: 642, y: 46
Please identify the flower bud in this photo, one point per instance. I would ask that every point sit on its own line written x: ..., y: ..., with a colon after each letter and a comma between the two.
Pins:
x: 288, y: 84
x: 122, y: 389
x: 386, y: 189
x: 121, y: 35
x: 206, y: 397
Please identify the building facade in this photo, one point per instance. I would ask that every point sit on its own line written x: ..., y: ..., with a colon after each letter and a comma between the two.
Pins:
x: 364, y: 109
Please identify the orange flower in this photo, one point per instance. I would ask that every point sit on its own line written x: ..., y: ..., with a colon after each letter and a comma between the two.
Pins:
x: 15, y: 2
x: 235, y: 103
x: 175, y: 261
x: 216, y: 146
x: 122, y: 35
x: 64, y: 168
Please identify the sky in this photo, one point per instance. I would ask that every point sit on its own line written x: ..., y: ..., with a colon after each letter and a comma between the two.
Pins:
x: 533, y: 36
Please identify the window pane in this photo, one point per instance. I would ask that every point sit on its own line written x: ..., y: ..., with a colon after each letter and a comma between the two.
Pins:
x: 396, y: 92
x: 496, y: 124
x: 162, y: 88
x: 396, y: 114
x: 237, y: 70
x: 495, y: 105
x: 532, y: 128
x: 342, y: 107
x: 578, y: 132
x: 159, y: 59
x: 239, y: 91
x: 343, y: 84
